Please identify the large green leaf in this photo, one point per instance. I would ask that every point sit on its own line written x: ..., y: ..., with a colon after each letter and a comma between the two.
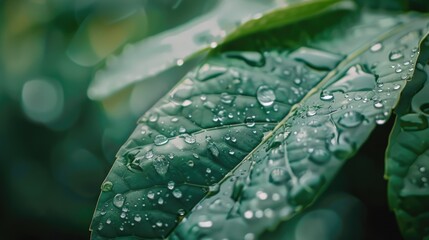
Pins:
x: 228, y: 21
x: 211, y: 137
x: 299, y: 158
x: 407, y: 157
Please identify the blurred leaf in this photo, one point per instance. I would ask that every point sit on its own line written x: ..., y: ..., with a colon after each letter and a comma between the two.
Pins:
x: 100, y: 35
x: 227, y: 21
x: 212, y: 139
x: 407, y: 156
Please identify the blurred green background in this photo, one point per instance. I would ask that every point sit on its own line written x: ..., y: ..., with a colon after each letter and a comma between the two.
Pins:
x: 56, y: 145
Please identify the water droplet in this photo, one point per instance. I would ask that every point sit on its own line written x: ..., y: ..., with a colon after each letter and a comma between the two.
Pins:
x: 396, y: 86
x: 320, y: 155
x: 311, y: 112
x: 137, y: 218
x: 326, y: 96
x: 118, y: 200
x: 153, y: 117
x: 210, y: 71
x: 213, y: 149
x: 351, y: 119
x: 182, y: 129
x: 226, y: 98
x: 170, y: 185
x: 107, y: 186
x: 378, y: 104
x: 160, y: 140
x: 149, y: 154
x: 376, y: 47
x: 190, y: 163
x: 188, y: 138
x: 160, y: 201
x: 248, y: 214
x: 205, y: 224
x: 161, y: 165
x: 250, y: 122
x: 380, y: 119
x: 208, y: 170
x: 186, y: 103
x: 395, y: 55
x: 179, y: 62
x: 279, y: 176
x: 159, y: 223
x: 262, y: 195
x: 265, y: 96
x: 151, y: 195
x: 181, y: 212
x: 177, y: 193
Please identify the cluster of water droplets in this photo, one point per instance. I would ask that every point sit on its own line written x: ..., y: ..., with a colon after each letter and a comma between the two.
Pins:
x: 289, y: 170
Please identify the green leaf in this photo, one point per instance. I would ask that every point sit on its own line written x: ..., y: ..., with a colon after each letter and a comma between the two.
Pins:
x: 226, y: 22
x: 299, y: 158
x: 407, y: 156
x: 226, y: 131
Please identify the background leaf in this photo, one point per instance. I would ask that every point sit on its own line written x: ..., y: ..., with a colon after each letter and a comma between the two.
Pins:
x: 227, y: 21
x: 407, y: 156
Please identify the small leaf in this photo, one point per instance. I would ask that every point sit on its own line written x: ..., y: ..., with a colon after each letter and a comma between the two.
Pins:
x: 407, y: 156
x: 227, y: 21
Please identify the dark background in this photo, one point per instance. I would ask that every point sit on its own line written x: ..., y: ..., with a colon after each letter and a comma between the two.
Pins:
x: 56, y: 145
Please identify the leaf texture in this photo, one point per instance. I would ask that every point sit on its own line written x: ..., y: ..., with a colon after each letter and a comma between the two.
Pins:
x: 224, y: 151
x: 407, y: 156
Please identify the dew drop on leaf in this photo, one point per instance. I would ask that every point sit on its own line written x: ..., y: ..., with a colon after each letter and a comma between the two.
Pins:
x: 160, y: 140
x: 250, y: 122
x: 265, y: 96
x: 118, y: 200
x: 137, y: 218
x: 378, y: 104
x: 320, y: 155
x: 205, y: 224
x: 351, y: 119
x: 170, y: 185
x: 326, y: 96
x: 151, y: 195
x: 279, y: 176
x: 177, y: 193
x: 376, y: 47
x: 226, y: 98
x: 395, y: 55
x: 161, y: 165
x: 153, y: 117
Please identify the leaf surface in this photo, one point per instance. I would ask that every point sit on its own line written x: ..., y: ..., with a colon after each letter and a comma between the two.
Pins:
x: 227, y: 21
x: 296, y: 162
x: 225, y: 139
x: 407, y: 156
